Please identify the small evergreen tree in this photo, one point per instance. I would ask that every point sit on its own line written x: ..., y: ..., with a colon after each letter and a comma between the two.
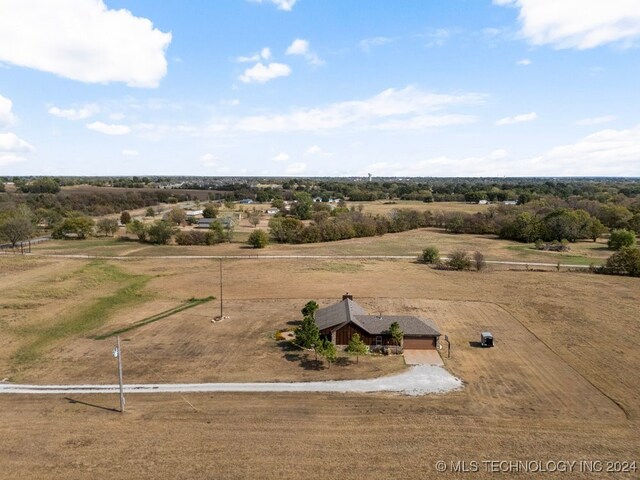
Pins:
x: 396, y: 334
x: 327, y: 349
x: 125, y: 218
x: 357, y: 347
x: 307, y: 334
x: 309, y: 310
x: 258, y: 239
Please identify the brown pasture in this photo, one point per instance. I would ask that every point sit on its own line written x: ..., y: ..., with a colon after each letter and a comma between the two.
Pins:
x: 561, y: 383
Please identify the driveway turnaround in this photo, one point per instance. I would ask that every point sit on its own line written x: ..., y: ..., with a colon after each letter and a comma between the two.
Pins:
x: 417, y: 380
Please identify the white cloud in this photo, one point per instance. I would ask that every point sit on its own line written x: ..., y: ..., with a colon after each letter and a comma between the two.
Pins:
x: 231, y: 102
x: 524, y: 117
x: 285, y: 5
x: 7, y: 118
x: 607, y: 152
x: 295, y: 168
x: 109, y: 129
x: 74, y: 113
x: 300, y: 46
x: 130, y: 153
x: 524, y: 62
x: 437, y: 37
x: 261, y: 73
x: 10, y: 142
x: 596, y: 120
x: 11, y: 148
x: 281, y: 157
x: 368, y: 43
x: 314, y: 150
x: 83, y: 40
x: 264, y: 54
x: 580, y: 24
x: 391, y: 109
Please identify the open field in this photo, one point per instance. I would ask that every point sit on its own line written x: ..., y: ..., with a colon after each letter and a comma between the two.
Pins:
x: 405, y: 243
x: 561, y: 384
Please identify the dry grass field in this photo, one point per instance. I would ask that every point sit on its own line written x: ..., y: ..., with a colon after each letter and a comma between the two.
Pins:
x: 561, y: 383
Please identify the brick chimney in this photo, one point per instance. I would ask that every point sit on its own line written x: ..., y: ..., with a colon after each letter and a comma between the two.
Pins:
x: 346, y: 295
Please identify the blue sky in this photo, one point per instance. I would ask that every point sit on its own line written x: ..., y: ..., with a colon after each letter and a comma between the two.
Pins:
x: 320, y: 87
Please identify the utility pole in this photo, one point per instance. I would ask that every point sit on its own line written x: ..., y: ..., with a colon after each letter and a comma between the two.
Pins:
x: 221, y: 289
x: 117, y: 352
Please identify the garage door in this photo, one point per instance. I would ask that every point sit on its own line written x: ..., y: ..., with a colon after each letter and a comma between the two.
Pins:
x: 419, y: 343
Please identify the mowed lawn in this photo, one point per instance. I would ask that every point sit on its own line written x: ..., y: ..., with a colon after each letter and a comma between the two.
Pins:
x: 561, y: 383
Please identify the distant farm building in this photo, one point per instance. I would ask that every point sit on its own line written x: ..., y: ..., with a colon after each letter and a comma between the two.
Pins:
x: 340, y: 321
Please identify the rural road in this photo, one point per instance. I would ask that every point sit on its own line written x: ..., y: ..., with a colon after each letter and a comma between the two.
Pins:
x: 417, y: 380
x: 276, y: 257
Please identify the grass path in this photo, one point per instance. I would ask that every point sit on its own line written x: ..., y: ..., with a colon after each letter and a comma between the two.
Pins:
x: 88, y: 317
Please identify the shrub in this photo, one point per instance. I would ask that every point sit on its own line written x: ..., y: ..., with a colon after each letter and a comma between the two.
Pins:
x: 625, y: 261
x: 258, y: 239
x: 459, y: 260
x: 621, y: 238
x: 430, y: 255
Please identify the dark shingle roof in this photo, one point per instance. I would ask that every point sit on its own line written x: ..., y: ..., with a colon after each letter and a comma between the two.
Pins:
x: 338, y: 313
x: 409, y: 325
x: 349, y: 311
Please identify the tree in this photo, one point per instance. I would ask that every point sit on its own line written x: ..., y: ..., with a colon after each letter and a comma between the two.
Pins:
x: 396, y: 334
x: 285, y: 230
x: 150, y: 212
x: 258, y: 239
x: 310, y: 308
x: 357, y: 347
x: 254, y: 218
x: 228, y: 203
x: 125, y: 218
x: 621, y: 238
x: 78, y: 225
x: 108, y: 226
x: 16, y: 228
x: 459, y: 260
x: 596, y: 229
x: 177, y: 216
x: 210, y: 210
x: 430, y: 255
x: 139, y: 229
x: 480, y: 262
x: 307, y: 334
x: 625, y: 261
x: 217, y: 233
x: 304, y: 206
x: 160, y: 232
x: 327, y: 349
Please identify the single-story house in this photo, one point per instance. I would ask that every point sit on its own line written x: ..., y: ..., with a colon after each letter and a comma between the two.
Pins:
x: 226, y: 222
x: 340, y: 321
x: 193, y: 213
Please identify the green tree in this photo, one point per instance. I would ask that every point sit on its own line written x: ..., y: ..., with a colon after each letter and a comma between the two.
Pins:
x: 459, y: 260
x: 310, y: 308
x: 160, y: 232
x: 125, y: 218
x: 16, y: 228
x: 258, y: 239
x: 303, y: 206
x: 217, y: 233
x: 78, y: 225
x: 625, y: 261
x: 621, y: 238
x: 396, y: 334
x: 150, y: 212
x: 357, y: 347
x: 108, y: 226
x: 307, y: 334
x: 596, y: 229
x: 430, y: 255
x: 327, y: 349
x: 210, y: 210
x: 139, y: 229
x: 286, y: 230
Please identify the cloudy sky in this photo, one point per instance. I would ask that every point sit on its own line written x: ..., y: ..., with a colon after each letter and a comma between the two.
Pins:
x: 320, y: 87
